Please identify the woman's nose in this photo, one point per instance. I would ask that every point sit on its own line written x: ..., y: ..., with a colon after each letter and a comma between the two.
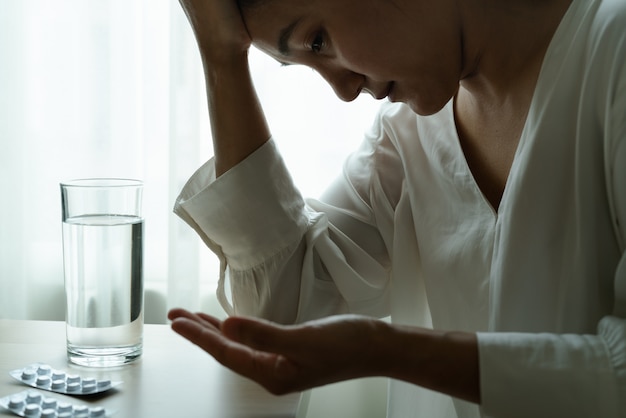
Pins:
x: 346, y: 84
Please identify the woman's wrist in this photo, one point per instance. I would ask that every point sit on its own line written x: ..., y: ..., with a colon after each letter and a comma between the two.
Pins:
x: 231, y: 100
x: 225, y: 58
x: 446, y: 362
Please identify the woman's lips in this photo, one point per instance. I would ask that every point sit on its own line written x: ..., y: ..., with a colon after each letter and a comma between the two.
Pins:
x: 382, y: 93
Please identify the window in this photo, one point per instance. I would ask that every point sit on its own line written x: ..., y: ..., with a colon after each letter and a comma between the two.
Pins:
x: 114, y: 89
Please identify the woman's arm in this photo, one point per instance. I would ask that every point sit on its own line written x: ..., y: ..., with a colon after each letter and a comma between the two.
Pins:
x: 293, y: 358
x: 224, y: 42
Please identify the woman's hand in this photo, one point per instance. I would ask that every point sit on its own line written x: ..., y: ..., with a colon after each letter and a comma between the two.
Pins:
x: 293, y: 358
x: 298, y: 357
x: 219, y: 29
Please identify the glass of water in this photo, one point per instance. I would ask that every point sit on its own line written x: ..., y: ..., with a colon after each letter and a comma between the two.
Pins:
x: 103, y: 266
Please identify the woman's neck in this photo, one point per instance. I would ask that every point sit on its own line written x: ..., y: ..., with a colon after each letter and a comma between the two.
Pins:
x: 505, y: 42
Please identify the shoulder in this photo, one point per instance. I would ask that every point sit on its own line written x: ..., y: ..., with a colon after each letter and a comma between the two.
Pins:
x: 599, y: 49
x: 612, y: 12
x: 606, y: 57
x: 608, y: 28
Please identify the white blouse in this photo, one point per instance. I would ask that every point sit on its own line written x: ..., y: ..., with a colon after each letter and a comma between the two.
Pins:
x: 405, y: 232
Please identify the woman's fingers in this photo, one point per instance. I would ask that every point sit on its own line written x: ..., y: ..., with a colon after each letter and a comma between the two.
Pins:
x: 275, y: 372
x: 256, y: 333
x: 197, y: 317
x: 284, y: 358
x: 211, y: 319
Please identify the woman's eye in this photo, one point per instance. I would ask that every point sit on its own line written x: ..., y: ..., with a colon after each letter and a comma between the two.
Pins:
x: 318, y: 43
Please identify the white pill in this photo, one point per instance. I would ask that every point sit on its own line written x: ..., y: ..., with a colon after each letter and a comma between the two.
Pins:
x: 97, y: 412
x: 32, y: 410
x: 73, y: 387
x: 44, y: 370
x: 28, y: 375
x: 64, y: 407
x: 58, y: 375
x: 49, y: 403
x: 33, y: 397
x: 58, y: 384
x: 81, y: 411
x: 104, y: 384
x: 16, y: 402
x: 49, y: 413
x: 89, y: 387
x: 43, y: 381
x: 72, y: 378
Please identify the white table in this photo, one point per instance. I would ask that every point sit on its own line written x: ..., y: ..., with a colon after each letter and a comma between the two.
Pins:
x: 173, y: 378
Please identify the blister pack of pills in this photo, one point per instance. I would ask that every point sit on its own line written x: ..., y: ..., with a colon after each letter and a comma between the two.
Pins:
x: 42, y: 376
x: 31, y: 404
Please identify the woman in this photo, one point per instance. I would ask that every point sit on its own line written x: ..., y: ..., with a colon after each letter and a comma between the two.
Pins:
x: 485, y: 212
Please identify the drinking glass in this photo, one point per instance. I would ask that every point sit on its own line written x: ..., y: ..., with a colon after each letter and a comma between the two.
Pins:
x: 103, y: 233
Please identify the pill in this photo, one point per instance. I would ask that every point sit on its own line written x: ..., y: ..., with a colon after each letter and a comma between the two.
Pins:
x: 43, y: 381
x: 16, y: 402
x: 89, y: 388
x: 58, y: 384
x: 65, y: 415
x: 72, y: 378
x: 33, y: 397
x: 97, y: 412
x: 81, y: 411
x: 44, y: 370
x: 73, y: 387
x: 104, y: 384
x: 49, y: 413
x: 28, y: 375
x: 58, y: 375
x: 49, y: 403
x: 32, y: 410
x: 64, y: 407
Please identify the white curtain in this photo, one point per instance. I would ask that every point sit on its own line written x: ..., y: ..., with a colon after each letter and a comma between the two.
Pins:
x: 113, y: 88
